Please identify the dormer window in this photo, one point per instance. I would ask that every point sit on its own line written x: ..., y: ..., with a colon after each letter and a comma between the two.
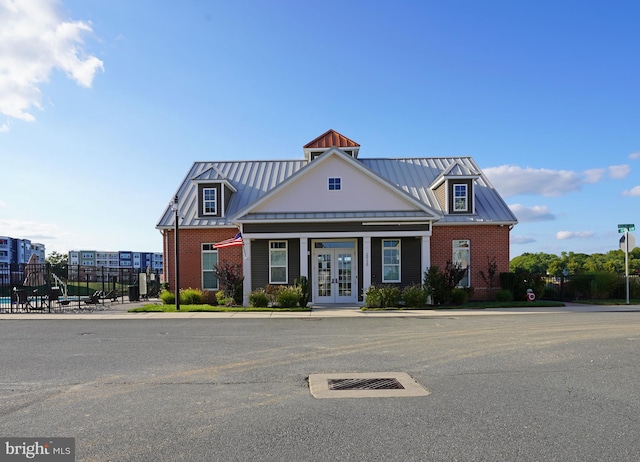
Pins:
x: 460, y: 198
x: 210, y: 201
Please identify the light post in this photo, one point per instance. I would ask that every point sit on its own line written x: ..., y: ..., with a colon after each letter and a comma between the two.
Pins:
x: 174, y: 207
x: 626, y: 246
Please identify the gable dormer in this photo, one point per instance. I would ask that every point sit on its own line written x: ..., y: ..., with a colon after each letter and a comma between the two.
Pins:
x: 454, y: 189
x: 330, y: 139
x: 214, y: 193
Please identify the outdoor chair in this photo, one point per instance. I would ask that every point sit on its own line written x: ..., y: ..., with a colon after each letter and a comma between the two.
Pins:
x: 93, y: 299
x: 111, y: 295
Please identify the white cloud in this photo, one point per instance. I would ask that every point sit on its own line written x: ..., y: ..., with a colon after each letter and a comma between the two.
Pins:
x: 632, y: 192
x: 634, y: 155
x: 34, y: 40
x: 522, y: 240
x: 20, y: 229
x: 574, y: 234
x: 511, y: 180
x: 619, y: 171
x: 531, y: 214
x: 594, y: 175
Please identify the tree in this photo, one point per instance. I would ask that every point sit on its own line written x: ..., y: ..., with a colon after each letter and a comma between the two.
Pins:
x: 56, y: 258
x: 59, y: 264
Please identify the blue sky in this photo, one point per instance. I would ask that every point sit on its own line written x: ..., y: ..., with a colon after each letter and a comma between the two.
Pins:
x: 104, y: 105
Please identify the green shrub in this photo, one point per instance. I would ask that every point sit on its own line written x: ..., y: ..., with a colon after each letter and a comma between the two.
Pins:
x: 303, y: 283
x: 373, y: 297
x: 458, y: 296
x: 168, y: 298
x: 415, y: 296
x: 382, y: 296
x: 604, y: 285
x: 259, y: 299
x: 209, y: 297
x: 223, y: 299
x: 288, y: 296
x: 191, y: 296
x: 504, y: 295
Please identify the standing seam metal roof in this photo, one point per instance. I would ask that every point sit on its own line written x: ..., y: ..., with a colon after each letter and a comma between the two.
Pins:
x: 254, y: 179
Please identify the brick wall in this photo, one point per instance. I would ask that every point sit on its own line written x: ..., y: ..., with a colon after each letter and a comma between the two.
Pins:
x: 190, y: 242
x: 485, y: 241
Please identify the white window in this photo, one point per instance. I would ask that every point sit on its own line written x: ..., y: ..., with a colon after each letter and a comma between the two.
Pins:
x: 278, y: 262
x: 391, y: 260
x: 209, y: 260
x: 335, y: 184
x: 460, y: 198
x: 461, y: 259
x: 209, y: 201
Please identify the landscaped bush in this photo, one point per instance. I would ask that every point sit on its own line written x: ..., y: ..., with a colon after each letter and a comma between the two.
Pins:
x: 259, y: 299
x: 209, y: 297
x: 504, y: 295
x: 373, y: 297
x: 415, y: 296
x: 191, y: 296
x: 382, y: 296
x: 458, y: 296
x: 168, y: 298
x: 223, y: 299
x: 604, y: 285
x: 288, y: 297
x: 303, y: 283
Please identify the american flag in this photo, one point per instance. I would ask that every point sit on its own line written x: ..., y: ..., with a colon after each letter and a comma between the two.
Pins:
x: 229, y: 242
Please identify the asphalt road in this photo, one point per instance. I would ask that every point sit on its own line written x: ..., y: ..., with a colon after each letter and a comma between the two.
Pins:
x: 536, y: 387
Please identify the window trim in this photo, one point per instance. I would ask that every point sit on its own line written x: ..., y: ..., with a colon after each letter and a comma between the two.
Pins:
x: 204, y: 251
x: 334, y: 183
x: 205, y: 201
x: 456, y: 246
x: 286, y: 260
x: 465, y: 197
x: 399, y: 264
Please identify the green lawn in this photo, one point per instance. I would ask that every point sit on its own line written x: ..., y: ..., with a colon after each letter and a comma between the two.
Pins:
x: 150, y: 308
x: 481, y: 306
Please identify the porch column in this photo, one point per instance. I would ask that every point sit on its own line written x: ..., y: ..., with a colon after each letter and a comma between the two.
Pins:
x: 304, y: 262
x: 426, y: 254
x: 246, y: 271
x: 366, y: 261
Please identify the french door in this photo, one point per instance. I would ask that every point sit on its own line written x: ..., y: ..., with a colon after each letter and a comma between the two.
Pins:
x: 334, y: 273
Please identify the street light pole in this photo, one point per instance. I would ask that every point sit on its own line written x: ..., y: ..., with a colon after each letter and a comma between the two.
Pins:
x: 174, y: 207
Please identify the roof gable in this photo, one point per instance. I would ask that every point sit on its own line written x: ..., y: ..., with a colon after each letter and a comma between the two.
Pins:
x: 330, y: 139
x: 362, y: 190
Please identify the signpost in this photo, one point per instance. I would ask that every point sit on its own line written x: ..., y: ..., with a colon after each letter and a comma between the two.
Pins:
x: 627, y: 243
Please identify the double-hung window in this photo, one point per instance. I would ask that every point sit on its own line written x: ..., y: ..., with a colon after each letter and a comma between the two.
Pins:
x: 209, y: 261
x: 460, y: 198
x: 278, y: 262
x: 391, y: 260
x: 210, y: 201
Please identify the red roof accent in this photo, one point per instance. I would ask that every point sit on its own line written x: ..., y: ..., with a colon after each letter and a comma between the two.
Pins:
x: 330, y: 139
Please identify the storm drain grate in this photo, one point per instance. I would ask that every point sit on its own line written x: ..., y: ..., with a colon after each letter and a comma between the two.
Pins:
x: 365, y: 384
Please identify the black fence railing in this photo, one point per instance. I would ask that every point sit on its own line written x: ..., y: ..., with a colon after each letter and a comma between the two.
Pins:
x: 26, y: 287
x: 599, y: 286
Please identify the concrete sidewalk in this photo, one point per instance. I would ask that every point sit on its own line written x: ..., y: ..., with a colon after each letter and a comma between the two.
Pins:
x: 119, y: 310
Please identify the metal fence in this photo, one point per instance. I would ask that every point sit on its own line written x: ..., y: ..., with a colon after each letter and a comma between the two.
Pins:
x: 600, y: 286
x: 43, y: 287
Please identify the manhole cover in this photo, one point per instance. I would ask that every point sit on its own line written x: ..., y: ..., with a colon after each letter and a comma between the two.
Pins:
x: 365, y: 385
